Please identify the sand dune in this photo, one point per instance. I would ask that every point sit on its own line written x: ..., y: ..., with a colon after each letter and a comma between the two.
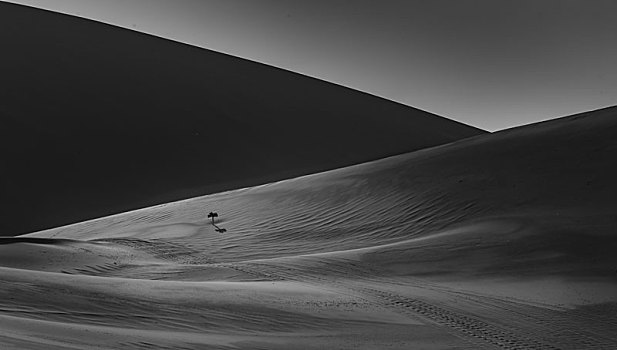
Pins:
x: 97, y: 120
x: 502, y: 241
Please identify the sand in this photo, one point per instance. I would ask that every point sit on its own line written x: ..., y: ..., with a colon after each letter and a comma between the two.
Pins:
x: 503, y: 241
x: 97, y: 120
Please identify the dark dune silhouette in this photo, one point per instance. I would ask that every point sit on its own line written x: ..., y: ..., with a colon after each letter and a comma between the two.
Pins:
x: 32, y: 240
x: 98, y: 119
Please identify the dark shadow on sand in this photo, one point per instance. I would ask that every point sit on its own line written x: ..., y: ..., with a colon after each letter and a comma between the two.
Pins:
x: 52, y: 241
x: 219, y: 229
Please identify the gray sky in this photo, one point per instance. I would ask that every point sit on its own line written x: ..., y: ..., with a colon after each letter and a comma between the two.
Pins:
x: 489, y: 63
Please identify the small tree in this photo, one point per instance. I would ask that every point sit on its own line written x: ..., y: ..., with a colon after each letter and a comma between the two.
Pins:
x: 213, y: 215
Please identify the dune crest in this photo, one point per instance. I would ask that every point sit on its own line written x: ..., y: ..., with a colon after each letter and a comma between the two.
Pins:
x: 504, y: 241
x: 99, y: 120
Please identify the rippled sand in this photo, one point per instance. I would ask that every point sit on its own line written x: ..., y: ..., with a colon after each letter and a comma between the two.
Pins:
x: 502, y: 241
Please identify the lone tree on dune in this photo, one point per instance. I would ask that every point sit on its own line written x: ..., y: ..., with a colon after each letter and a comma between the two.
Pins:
x: 213, y: 215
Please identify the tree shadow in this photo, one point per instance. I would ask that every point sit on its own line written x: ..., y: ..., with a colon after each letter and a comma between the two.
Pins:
x: 213, y: 215
x: 219, y: 229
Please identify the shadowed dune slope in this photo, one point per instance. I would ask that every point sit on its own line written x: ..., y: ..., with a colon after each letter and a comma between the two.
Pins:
x: 538, y: 194
x: 97, y: 120
x: 502, y: 241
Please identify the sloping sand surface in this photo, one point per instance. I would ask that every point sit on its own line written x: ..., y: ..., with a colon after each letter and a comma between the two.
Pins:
x: 503, y: 241
x: 99, y: 120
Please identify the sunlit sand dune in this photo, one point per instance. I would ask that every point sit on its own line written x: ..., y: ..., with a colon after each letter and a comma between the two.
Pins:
x: 502, y: 241
x: 97, y: 120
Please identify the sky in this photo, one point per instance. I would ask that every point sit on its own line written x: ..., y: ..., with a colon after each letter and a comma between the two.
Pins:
x: 492, y: 64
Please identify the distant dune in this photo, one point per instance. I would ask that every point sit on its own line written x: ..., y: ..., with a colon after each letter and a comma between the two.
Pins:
x: 502, y: 241
x: 95, y: 120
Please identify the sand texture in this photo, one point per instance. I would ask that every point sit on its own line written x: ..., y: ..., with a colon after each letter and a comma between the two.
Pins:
x: 502, y: 241
x: 97, y: 120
